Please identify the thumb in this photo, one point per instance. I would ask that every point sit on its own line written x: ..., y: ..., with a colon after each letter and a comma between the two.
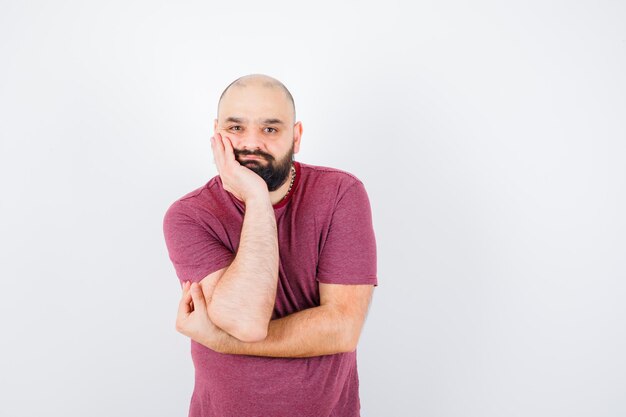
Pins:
x: 199, y: 304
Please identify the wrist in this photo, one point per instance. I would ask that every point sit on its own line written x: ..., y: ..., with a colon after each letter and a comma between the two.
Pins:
x: 259, y: 199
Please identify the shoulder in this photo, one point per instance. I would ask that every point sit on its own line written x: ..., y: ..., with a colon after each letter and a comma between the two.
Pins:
x: 318, y: 170
x: 327, y: 176
x: 331, y: 187
x: 198, y: 200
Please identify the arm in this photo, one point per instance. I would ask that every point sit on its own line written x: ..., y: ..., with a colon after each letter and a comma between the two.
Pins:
x: 333, y: 327
x: 244, y: 293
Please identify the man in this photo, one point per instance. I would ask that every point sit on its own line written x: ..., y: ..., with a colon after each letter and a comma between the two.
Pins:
x: 277, y: 261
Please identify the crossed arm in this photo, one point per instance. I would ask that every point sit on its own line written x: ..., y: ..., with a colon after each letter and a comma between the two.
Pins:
x: 330, y: 328
x: 229, y: 311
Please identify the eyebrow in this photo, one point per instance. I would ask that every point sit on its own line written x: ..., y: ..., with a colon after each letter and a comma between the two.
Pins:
x: 265, y: 121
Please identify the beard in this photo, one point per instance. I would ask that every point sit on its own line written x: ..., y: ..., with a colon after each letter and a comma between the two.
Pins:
x: 274, y: 172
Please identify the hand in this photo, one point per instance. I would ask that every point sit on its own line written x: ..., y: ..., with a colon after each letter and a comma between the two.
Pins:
x: 237, y: 179
x: 193, y: 319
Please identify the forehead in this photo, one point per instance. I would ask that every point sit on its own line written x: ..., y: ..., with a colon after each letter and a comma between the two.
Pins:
x: 254, y: 103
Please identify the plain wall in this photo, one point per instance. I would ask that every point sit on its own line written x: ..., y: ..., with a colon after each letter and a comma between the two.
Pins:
x: 491, y: 137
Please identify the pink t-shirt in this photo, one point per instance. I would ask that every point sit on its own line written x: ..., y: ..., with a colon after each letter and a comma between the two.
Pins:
x: 325, y: 234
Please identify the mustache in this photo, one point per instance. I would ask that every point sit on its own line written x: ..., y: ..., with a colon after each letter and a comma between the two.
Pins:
x: 255, y: 152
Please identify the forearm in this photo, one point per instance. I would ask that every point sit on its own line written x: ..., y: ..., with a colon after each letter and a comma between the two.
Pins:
x: 245, y: 294
x: 316, y: 331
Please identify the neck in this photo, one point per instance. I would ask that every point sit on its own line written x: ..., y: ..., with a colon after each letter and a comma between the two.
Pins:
x: 277, y: 195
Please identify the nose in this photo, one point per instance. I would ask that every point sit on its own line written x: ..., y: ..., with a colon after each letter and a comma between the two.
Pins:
x: 248, y: 141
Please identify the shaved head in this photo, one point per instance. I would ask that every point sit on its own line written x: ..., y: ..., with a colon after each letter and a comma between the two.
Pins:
x: 257, y: 114
x: 260, y: 80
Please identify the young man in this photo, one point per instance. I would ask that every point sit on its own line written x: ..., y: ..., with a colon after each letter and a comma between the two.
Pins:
x: 277, y: 261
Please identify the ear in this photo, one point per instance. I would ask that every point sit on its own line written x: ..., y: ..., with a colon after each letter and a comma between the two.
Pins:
x: 297, y: 136
x: 214, y: 125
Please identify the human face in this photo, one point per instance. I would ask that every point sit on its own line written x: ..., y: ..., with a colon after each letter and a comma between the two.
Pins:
x: 257, y: 119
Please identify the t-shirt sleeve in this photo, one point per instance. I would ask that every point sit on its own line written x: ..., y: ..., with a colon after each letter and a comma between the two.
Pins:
x: 348, y: 254
x: 193, y: 247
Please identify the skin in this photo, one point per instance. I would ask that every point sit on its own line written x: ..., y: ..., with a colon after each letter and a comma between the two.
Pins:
x: 255, y: 102
x: 229, y: 310
x: 331, y: 328
x: 246, y: 290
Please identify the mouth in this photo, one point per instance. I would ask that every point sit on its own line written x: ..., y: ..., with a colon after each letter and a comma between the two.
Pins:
x: 252, y: 157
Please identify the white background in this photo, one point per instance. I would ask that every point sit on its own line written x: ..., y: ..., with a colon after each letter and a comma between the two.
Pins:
x: 491, y: 137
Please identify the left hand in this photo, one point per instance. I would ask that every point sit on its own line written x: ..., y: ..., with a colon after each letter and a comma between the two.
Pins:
x: 193, y: 318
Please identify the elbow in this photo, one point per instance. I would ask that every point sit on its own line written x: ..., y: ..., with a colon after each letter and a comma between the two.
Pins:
x: 251, y: 334
x: 239, y: 327
x: 350, y: 338
x: 350, y: 342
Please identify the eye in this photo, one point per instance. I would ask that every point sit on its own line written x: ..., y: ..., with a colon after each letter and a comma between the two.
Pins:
x: 273, y: 129
x: 233, y: 128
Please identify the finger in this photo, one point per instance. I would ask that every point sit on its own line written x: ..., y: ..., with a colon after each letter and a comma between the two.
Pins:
x: 229, y: 153
x: 213, y: 149
x: 184, y: 309
x: 188, y: 294
x: 198, y: 298
x: 218, y: 151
